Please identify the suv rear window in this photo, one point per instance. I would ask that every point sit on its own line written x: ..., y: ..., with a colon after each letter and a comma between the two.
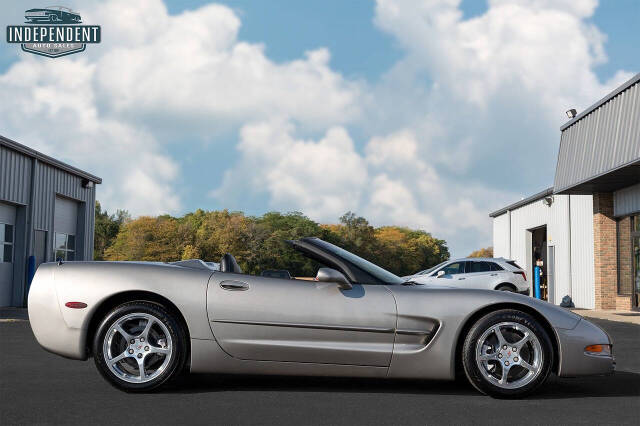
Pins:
x: 495, y: 267
x: 480, y: 267
x: 514, y: 264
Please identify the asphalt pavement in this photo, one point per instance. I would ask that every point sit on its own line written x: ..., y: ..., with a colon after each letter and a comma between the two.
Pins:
x: 37, y: 387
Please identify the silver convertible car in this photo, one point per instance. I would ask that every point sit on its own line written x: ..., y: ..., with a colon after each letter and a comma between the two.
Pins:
x: 145, y: 323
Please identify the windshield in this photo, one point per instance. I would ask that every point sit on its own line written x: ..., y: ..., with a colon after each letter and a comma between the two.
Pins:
x: 433, y: 268
x: 372, y: 269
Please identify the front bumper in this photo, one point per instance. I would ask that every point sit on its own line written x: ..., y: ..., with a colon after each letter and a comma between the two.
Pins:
x: 573, y: 359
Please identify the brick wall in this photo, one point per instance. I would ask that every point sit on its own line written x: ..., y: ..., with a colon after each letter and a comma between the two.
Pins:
x: 606, y: 255
x: 604, y: 250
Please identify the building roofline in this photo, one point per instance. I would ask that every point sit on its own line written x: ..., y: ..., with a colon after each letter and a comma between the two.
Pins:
x: 46, y: 159
x: 624, y: 86
x: 535, y: 197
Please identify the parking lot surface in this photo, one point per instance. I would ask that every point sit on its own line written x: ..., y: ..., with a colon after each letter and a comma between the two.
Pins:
x: 37, y: 387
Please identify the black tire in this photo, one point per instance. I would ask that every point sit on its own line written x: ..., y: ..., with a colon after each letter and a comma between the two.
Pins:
x: 178, y: 350
x: 506, y: 287
x: 478, y: 378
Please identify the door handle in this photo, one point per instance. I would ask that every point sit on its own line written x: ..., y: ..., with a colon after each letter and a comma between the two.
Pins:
x: 234, y: 285
x: 494, y: 275
x: 462, y: 278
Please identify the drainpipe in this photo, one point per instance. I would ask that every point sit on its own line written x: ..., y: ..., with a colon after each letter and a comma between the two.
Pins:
x: 569, y: 224
x: 509, y: 216
x: 29, y: 230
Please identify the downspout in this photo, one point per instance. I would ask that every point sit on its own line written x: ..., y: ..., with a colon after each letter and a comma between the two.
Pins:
x: 509, y: 216
x: 29, y: 229
x: 570, y: 270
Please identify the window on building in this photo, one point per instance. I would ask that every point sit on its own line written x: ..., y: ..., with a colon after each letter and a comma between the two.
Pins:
x: 65, y: 246
x: 6, y: 243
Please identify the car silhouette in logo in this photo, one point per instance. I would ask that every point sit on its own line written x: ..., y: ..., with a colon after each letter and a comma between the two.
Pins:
x: 53, y: 15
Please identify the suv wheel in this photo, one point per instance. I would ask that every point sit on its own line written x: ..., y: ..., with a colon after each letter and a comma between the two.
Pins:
x: 505, y: 287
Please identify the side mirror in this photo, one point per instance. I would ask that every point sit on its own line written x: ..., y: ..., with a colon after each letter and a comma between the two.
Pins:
x: 333, y: 276
x: 440, y: 274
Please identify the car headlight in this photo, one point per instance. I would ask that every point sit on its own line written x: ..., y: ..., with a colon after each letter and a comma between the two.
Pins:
x: 598, y: 350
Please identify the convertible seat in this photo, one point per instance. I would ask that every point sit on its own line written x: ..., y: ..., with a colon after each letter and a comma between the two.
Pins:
x: 228, y: 264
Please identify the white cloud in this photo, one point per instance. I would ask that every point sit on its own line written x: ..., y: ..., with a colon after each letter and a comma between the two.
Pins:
x: 388, y: 183
x: 115, y: 108
x: 196, y: 73
x: 323, y: 178
x: 465, y: 122
x: 56, y: 114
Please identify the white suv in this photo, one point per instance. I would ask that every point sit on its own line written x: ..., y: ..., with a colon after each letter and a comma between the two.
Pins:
x: 476, y: 272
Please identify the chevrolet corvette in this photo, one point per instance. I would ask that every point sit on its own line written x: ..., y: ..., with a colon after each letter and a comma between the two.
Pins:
x: 144, y: 323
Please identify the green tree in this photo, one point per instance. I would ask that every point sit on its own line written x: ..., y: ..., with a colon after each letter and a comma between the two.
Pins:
x: 483, y: 252
x: 107, y: 227
x: 260, y: 243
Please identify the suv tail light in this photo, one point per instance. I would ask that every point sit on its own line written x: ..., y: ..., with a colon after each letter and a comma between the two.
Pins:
x: 521, y: 273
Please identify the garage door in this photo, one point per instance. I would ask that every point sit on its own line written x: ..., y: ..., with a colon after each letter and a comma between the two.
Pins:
x: 64, y: 226
x: 7, y: 238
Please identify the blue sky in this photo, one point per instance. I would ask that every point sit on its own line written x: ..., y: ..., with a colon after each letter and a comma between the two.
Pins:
x: 425, y: 114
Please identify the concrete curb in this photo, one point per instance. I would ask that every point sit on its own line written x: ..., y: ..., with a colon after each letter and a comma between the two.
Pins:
x: 631, y: 317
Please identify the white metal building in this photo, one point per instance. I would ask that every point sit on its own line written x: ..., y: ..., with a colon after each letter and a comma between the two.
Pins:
x: 46, y: 213
x: 586, y: 228
x: 567, y: 251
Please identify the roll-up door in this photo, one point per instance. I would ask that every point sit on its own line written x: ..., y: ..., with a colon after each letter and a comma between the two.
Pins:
x: 64, y: 226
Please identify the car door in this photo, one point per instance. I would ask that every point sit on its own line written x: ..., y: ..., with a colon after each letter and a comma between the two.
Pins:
x: 274, y: 319
x: 454, y: 275
x: 479, y: 274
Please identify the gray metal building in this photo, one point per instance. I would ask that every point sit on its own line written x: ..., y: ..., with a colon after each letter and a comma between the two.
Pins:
x: 586, y: 228
x: 46, y: 213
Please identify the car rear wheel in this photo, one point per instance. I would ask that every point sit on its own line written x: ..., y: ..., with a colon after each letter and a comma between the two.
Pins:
x: 507, y: 354
x: 506, y: 287
x: 139, y: 346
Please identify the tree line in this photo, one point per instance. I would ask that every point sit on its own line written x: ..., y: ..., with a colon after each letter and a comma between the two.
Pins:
x: 259, y: 242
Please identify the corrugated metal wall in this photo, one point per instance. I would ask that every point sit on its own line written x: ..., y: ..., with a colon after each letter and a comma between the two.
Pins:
x: 573, y: 274
x: 15, y: 175
x: 15, y: 182
x: 601, y: 141
x: 51, y: 181
x: 582, y: 257
x: 626, y: 201
x: 558, y: 237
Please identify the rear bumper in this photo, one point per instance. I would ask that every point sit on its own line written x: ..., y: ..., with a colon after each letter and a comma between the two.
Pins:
x: 46, y: 319
x: 573, y: 359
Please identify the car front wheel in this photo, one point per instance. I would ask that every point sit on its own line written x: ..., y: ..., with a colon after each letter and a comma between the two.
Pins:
x: 507, y: 354
x: 139, y: 346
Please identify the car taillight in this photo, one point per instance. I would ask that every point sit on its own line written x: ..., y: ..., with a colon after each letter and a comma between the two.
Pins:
x: 521, y: 273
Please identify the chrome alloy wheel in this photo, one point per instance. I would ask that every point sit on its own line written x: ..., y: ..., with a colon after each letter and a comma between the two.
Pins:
x: 137, y: 348
x: 509, y: 355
